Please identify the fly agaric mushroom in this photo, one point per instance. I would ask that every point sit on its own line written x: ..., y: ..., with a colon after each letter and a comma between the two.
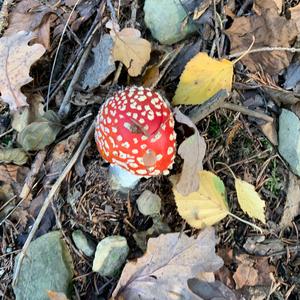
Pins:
x: 135, y: 134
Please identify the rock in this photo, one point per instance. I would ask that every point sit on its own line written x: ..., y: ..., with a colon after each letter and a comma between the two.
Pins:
x: 46, y: 266
x: 149, y: 203
x: 166, y: 20
x: 83, y: 243
x: 101, y: 66
x: 111, y: 254
x: 289, y: 139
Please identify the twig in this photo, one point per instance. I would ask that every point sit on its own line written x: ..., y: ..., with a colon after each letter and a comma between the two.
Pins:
x: 64, y: 77
x: 4, y: 14
x: 265, y: 49
x: 247, y: 111
x: 78, y: 121
x: 57, y: 51
x: 30, y: 178
x: 48, y: 200
x: 117, y: 74
x: 164, y: 70
x: 216, y: 28
x: 6, y: 132
x: 64, y: 107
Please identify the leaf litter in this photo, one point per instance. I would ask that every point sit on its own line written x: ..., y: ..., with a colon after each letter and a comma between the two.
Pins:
x: 214, y: 135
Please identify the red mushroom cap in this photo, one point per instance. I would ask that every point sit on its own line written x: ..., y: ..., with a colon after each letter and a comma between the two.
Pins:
x: 135, y: 130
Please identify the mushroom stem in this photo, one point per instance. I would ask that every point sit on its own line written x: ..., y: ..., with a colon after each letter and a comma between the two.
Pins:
x: 122, y: 180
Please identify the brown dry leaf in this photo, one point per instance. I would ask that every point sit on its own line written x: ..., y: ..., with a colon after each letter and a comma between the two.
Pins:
x: 292, y: 202
x: 269, y: 30
x: 131, y: 50
x: 16, y: 60
x: 31, y: 16
x: 170, y: 260
x: 269, y: 129
x: 151, y: 75
x: 245, y: 274
x: 192, y: 150
x: 295, y: 15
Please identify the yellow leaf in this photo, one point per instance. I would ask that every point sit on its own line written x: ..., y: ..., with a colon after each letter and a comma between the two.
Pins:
x: 205, y: 207
x: 249, y: 200
x: 131, y: 50
x: 203, y: 77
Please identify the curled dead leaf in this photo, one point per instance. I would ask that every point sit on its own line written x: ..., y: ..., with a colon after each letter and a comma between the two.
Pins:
x: 16, y: 59
x: 132, y: 50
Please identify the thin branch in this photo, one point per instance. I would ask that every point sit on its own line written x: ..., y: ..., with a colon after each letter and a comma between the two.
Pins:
x: 48, y: 200
x: 264, y: 49
x: 247, y: 111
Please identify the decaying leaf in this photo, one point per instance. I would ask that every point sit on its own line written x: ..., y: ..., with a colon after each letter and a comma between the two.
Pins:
x: 249, y: 200
x: 28, y: 114
x: 292, y: 202
x: 202, y: 78
x: 205, y: 207
x: 171, y: 259
x: 100, y: 66
x: 14, y: 155
x: 16, y: 59
x: 31, y: 16
x: 192, y: 150
x: 41, y: 133
x: 269, y: 30
x: 132, y: 50
x: 295, y: 15
x: 151, y: 76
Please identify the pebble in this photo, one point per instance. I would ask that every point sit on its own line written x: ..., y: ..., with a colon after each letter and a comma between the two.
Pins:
x: 165, y: 19
x: 289, y: 139
x: 149, y: 203
x: 83, y: 243
x: 46, y: 266
x: 111, y: 254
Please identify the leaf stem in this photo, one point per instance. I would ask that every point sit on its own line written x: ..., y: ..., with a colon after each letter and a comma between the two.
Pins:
x: 220, y: 163
x: 246, y: 222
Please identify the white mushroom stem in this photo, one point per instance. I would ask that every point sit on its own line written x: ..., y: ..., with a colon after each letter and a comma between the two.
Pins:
x: 122, y: 180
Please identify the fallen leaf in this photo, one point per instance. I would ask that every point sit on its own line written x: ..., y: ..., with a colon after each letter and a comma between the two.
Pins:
x: 280, y: 96
x: 56, y: 295
x: 59, y: 157
x: 205, y: 207
x: 17, y: 58
x: 211, y: 290
x: 13, y: 155
x: 269, y: 30
x: 271, y: 4
x: 100, y: 66
x: 28, y: 114
x: 171, y: 259
x: 292, y: 76
x: 151, y: 75
x: 41, y: 133
x: 249, y: 200
x: 192, y: 150
x: 245, y: 274
x: 203, y: 77
x: 269, y: 129
x: 131, y: 50
x: 11, y: 173
x: 292, y: 202
x: 295, y: 15
x: 31, y: 16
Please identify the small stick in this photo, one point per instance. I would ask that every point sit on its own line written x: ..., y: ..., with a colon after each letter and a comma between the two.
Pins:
x: 6, y: 132
x: 64, y: 107
x: 57, y: 51
x: 247, y: 111
x: 265, y: 49
x: 30, y: 178
x: 164, y: 70
x: 77, y: 121
x: 48, y: 200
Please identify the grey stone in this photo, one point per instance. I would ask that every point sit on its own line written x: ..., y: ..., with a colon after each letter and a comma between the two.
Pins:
x: 46, y: 266
x: 148, y: 203
x: 100, y: 66
x: 166, y: 20
x: 111, y: 254
x: 289, y: 139
x: 83, y: 243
